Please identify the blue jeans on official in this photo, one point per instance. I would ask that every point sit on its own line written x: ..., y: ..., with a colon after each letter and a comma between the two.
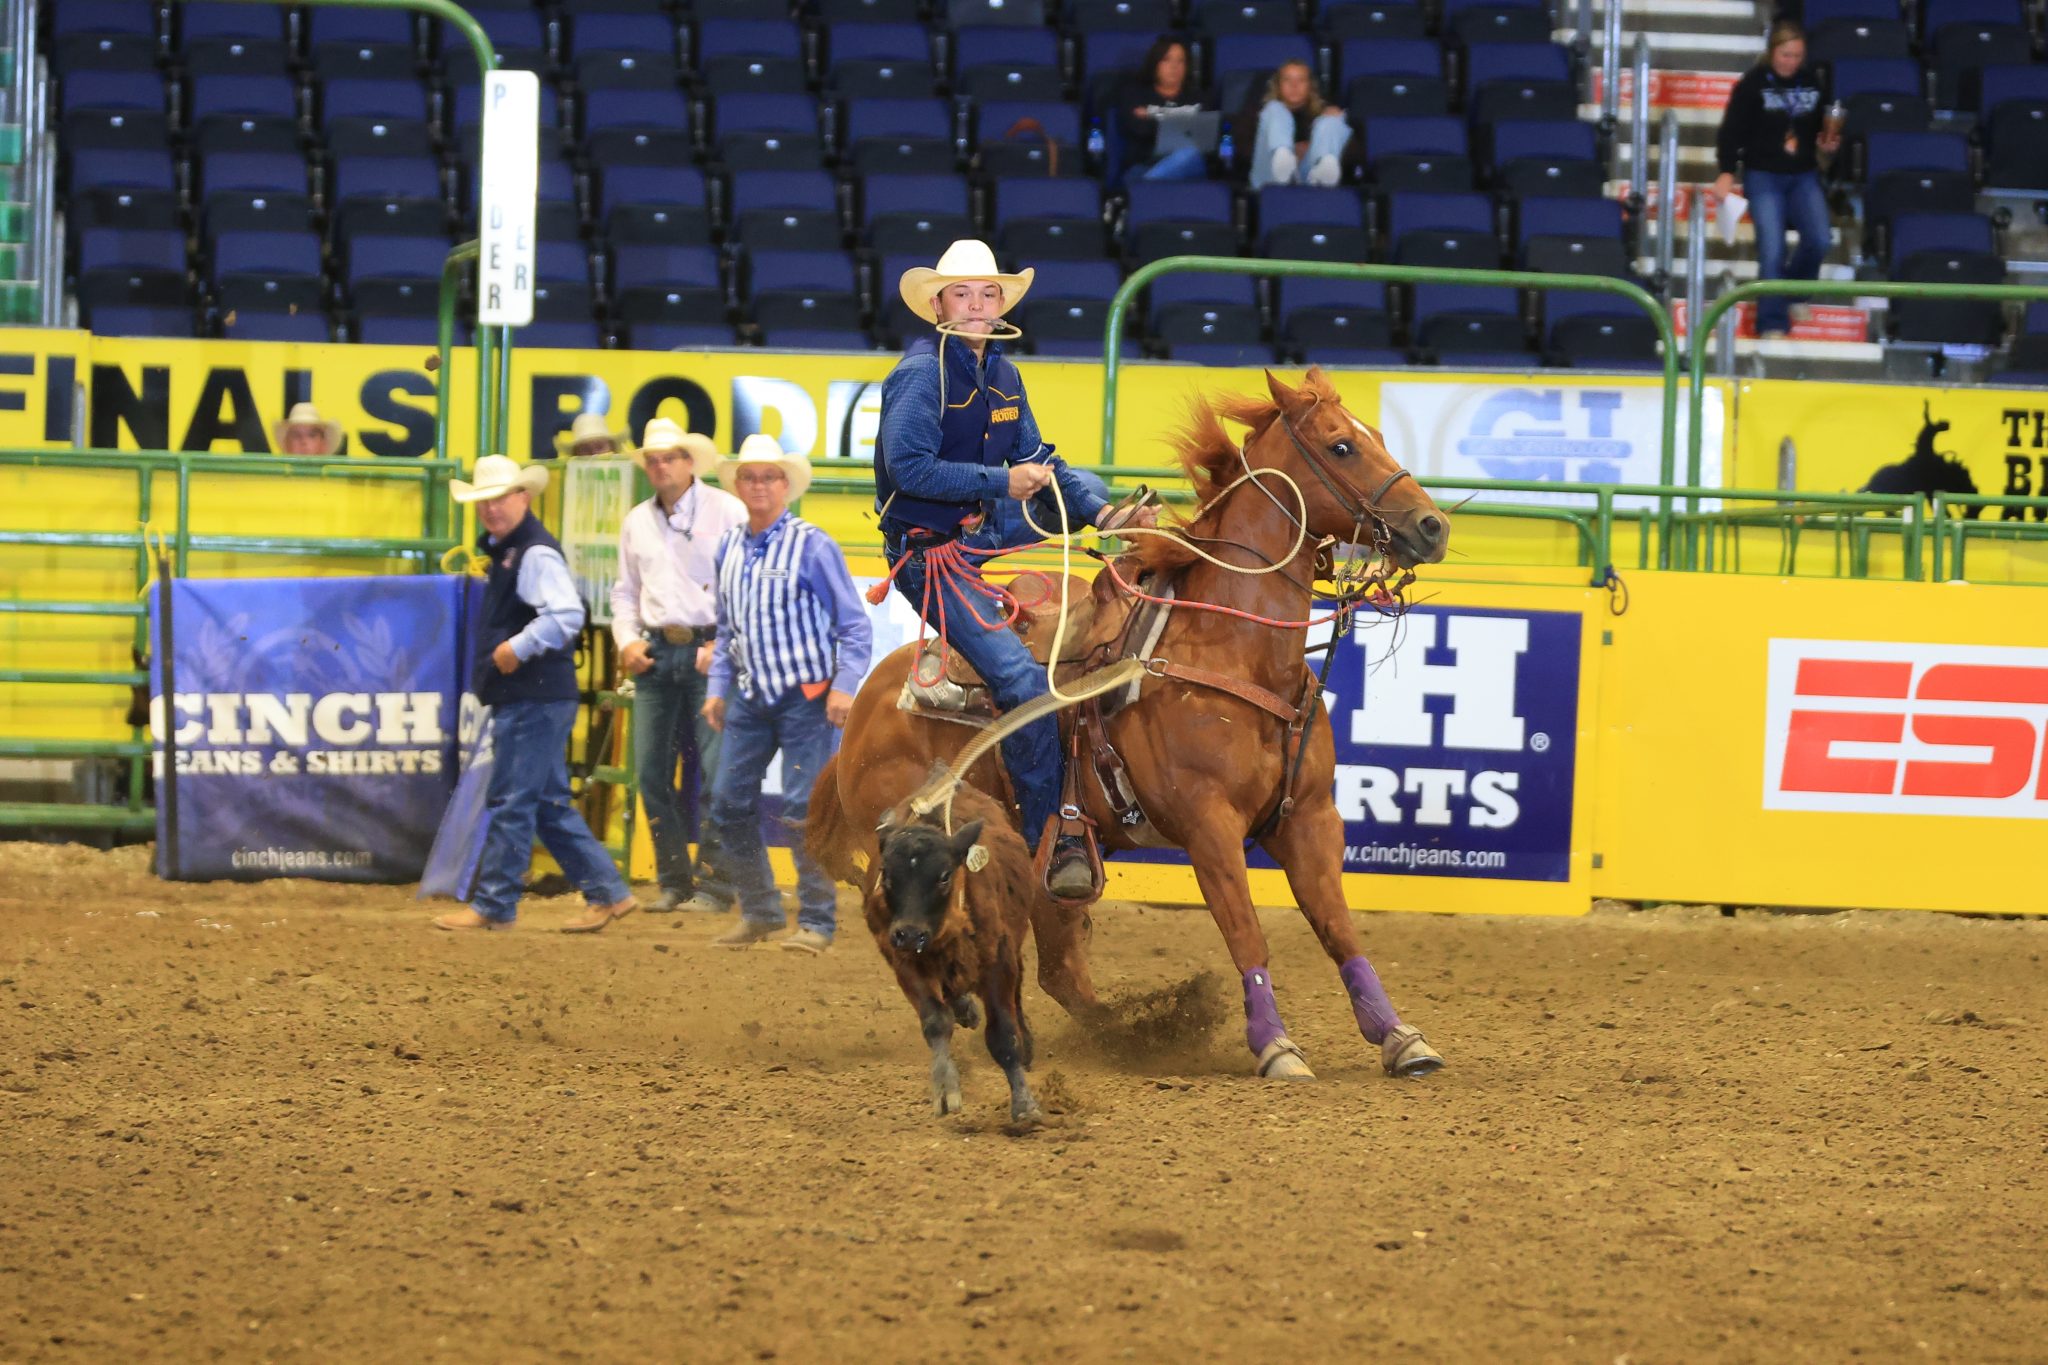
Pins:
x: 1031, y: 754
x: 1776, y: 202
x: 528, y: 793
x: 754, y: 730
x: 668, y: 703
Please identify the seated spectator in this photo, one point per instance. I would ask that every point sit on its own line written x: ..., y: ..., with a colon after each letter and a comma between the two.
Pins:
x: 305, y: 432
x: 1161, y: 84
x: 1300, y: 139
x: 1772, y: 133
x: 588, y: 437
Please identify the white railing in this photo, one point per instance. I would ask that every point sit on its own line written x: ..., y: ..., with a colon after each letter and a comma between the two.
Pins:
x: 1667, y: 192
x: 1639, y: 125
x: 1610, y: 67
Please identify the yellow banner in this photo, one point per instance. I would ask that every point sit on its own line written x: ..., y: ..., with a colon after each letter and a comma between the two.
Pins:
x: 1892, y: 439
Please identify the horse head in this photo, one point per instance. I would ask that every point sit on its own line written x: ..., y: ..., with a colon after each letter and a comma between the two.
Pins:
x: 1353, y: 487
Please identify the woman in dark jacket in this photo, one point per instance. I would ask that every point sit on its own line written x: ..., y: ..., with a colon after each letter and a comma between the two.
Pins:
x: 1772, y: 134
x: 1164, y: 81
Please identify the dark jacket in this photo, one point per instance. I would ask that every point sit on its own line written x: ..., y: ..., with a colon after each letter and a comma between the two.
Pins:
x: 978, y: 425
x: 544, y: 677
x: 1761, y: 109
x: 1141, y: 135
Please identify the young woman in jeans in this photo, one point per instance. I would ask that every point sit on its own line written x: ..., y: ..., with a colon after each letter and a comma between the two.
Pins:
x: 1772, y: 134
x: 1300, y: 139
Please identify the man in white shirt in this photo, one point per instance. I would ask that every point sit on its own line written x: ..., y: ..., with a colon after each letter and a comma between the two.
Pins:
x: 664, y: 618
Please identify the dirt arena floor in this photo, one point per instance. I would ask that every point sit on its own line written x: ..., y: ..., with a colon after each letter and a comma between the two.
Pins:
x: 285, y: 1121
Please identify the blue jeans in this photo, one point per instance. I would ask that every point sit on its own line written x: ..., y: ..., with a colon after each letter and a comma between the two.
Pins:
x: 1185, y: 163
x: 529, y: 791
x: 1327, y: 136
x: 754, y: 730
x: 668, y: 700
x: 1776, y: 202
x: 1031, y: 754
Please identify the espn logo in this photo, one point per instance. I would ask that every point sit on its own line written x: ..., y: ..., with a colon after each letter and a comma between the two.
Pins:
x: 1906, y: 729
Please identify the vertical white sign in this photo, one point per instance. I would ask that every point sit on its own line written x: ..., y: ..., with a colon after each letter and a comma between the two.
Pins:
x: 508, y: 198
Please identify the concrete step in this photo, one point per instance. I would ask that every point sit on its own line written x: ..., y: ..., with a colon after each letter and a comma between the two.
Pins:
x: 1694, y: 125
x: 1720, y: 52
x: 1691, y: 16
x: 1695, y: 161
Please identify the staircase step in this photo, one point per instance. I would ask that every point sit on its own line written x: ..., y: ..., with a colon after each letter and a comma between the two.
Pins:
x: 1692, y: 122
x: 1693, y: 16
x: 1696, y: 161
x: 1718, y: 52
x: 1681, y: 88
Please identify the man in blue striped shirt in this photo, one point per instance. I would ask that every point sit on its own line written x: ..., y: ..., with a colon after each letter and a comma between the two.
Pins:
x: 792, y: 646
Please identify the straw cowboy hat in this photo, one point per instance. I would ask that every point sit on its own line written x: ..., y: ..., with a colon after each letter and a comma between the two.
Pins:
x: 966, y: 259
x: 760, y: 449
x: 306, y: 415
x: 590, y: 426
x: 664, y: 433
x: 496, y: 476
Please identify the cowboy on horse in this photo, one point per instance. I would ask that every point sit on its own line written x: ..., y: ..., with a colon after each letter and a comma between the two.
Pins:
x: 957, y: 439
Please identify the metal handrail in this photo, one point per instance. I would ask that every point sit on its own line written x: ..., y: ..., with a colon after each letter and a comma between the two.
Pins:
x: 1639, y: 127
x: 1610, y: 67
x: 1964, y: 527
x: 1113, y: 325
x: 1667, y: 193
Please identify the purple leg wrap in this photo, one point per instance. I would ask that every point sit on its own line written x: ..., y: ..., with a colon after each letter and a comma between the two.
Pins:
x: 1369, y: 1003
x: 1261, y: 1016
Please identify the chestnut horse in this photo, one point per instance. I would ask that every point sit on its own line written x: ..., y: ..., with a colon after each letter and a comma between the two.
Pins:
x: 1212, y: 762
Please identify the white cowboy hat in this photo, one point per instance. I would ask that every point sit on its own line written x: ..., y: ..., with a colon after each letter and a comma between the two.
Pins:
x: 496, y: 476
x: 664, y: 433
x: 966, y: 259
x: 760, y: 449
x: 306, y: 415
x: 590, y: 426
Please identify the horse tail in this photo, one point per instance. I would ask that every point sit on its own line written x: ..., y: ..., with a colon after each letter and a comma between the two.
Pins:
x: 827, y: 835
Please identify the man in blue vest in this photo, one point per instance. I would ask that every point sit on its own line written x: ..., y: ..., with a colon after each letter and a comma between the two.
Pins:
x: 958, y: 441
x: 525, y: 671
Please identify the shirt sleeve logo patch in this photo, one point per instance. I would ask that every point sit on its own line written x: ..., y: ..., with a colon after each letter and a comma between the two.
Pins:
x: 1008, y: 414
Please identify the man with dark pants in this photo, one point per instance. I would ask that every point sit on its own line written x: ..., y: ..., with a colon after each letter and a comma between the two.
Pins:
x: 958, y: 454
x: 664, y: 617
x: 793, y: 645
x: 526, y: 673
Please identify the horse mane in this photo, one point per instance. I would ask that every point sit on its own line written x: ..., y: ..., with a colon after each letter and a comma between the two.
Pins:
x: 1210, y: 458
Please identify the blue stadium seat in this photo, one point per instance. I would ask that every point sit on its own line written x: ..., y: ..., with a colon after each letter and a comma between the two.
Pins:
x: 878, y: 42
x: 334, y: 24
x: 111, y: 90
x: 1172, y: 218
x: 103, y: 248
x: 1541, y: 140
x: 2001, y: 85
x: 748, y: 38
x: 395, y: 258
x: 1223, y: 17
x: 1591, y: 220
x: 609, y: 69
x: 281, y: 252
x: 74, y: 17
x: 1004, y: 46
x: 1004, y: 153
x: 1489, y: 62
x: 755, y: 190
x: 966, y: 13
x: 1174, y: 300
x: 1238, y: 61
x: 1939, y: 234
x: 1936, y: 15
x: 1284, y: 207
x: 1373, y: 57
x: 643, y: 31
x: 380, y: 179
x: 754, y: 113
x: 1876, y: 75
x: 653, y: 110
x: 247, y: 324
x: 1149, y: 17
x: 210, y: 96
x: 2017, y: 143
x: 1840, y: 39
x: 900, y: 135
x: 1961, y: 53
x: 644, y: 265
x: 382, y: 98
x: 259, y: 171
x: 1818, y: 12
x: 1050, y: 219
x: 1418, y: 153
x: 199, y: 19
x: 1343, y: 21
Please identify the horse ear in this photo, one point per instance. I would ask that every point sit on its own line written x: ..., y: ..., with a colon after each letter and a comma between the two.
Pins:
x: 1283, y: 396
x: 964, y: 838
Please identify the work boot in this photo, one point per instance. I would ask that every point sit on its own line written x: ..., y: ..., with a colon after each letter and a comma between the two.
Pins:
x: 708, y: 902
x: 667, y: 901
x: 806, y: 941
x: 596, y: 917
x: 745, y: 934
x: 1068, y: 875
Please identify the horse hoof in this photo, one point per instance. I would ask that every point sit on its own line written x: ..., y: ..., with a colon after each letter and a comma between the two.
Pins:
x: 1026, y: 1114
x: 1406, y: 1053
x: 947, y: 1102
x: 1283, y: 1061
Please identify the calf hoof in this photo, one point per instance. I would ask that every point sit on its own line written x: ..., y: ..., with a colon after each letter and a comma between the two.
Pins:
x: 966, y: 1013
x: 1406, y: 1053
x: 1283, y: 1061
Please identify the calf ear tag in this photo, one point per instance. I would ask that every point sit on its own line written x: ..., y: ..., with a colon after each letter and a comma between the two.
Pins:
x: 977, y: 858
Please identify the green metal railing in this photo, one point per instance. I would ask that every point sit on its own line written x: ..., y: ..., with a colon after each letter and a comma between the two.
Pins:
x: 422, y: 551
x: 2031, y: 525
x: 1113, y: 327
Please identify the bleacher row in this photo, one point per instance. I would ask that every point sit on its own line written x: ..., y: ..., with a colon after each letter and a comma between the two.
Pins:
x: 711, y: 176
x: 721, y: 172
